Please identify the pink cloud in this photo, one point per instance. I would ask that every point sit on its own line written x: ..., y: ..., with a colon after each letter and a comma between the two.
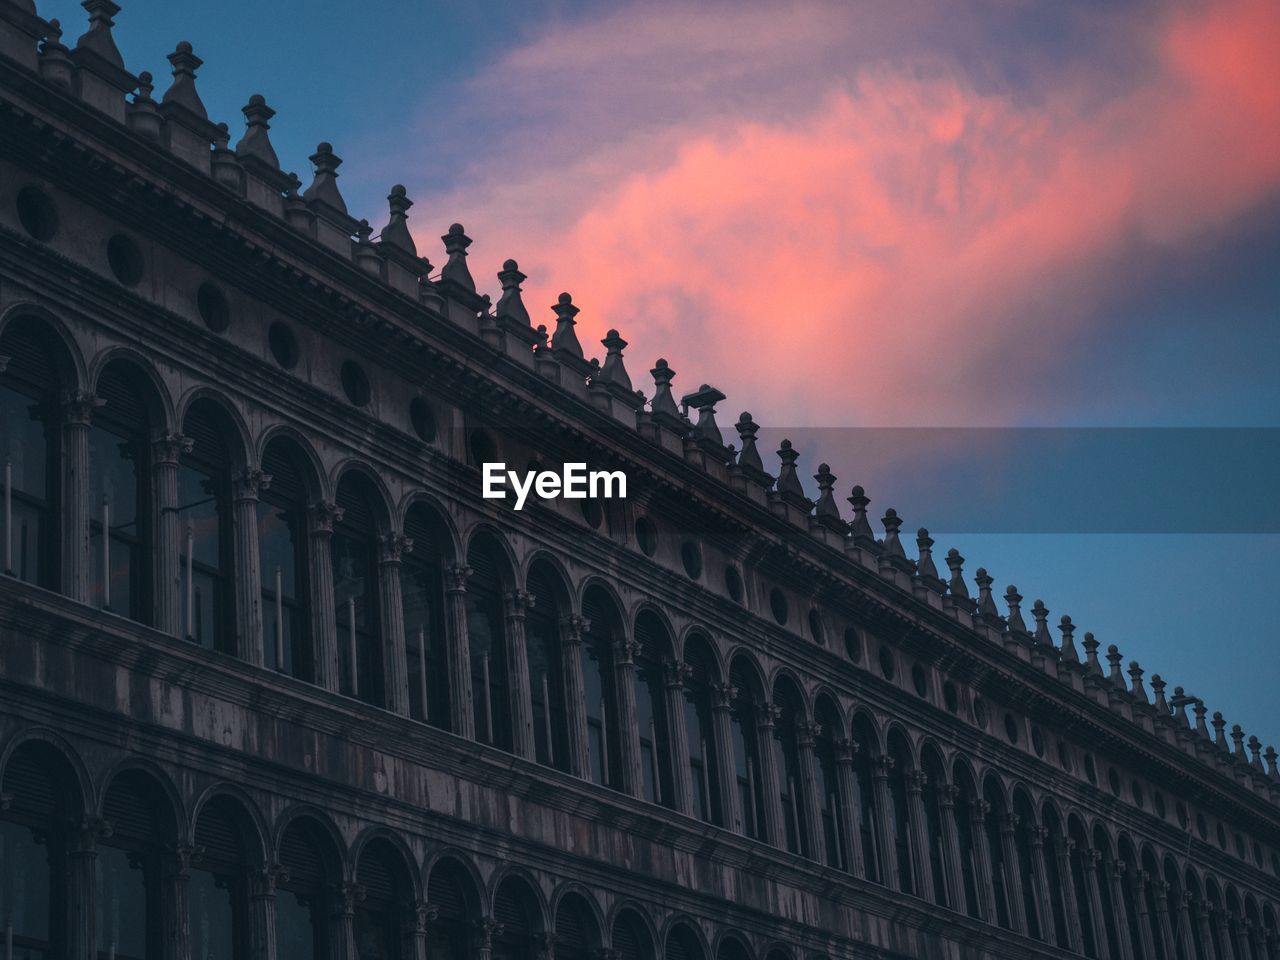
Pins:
x: 905, y: 247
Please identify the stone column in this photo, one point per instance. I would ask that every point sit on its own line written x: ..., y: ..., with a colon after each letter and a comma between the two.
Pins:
x: 1115, y: 878
x: 1089, y: 861
x: 395, y: 655
x: 766, y: 716
x: 1075, y: 934
x: 722, y: 708
x: 575, y: 694
x: 262, y: 910
x: 1225, y: 939
x: 344, y: 945
x: 982, y: 861
x: 544, y: 946
x: 675, y: 675
x: 324, y: 618
x: 462, y: 722
x: 177, y: 876
x: 1012, y: 873
x: 810, y: 827
x: 1040, y: 876
x: 77, y: 410
x: 1181, y: 923
x: 166, y: 573
x: 1241, y: 938
x: 82, y: 887
x: 918, y: 824
x: 421, y: 916
x: 1164, y: 926
x: 848, y: 826
x: 250, y: 641
x: 947, y: 794
x: 521, y: 693
x: 628, y: 732
x: 1206, y: 934
x: 1144, y: 920
x: 886, y: 829
x: 486, y: 929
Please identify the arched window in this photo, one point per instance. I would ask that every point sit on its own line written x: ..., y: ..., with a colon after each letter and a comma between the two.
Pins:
x: 901, y: 768
x: 546, y: 673
x: 283, y: 545
x: 356, y: 595
x: 1053, y: 847
x: 653, y: 652
x: 451, y: 891
x: 965, y: 798
x: 487, y: 632
x: 130, y: 871
x: 683, y: 944
x: 996, y: 813
x: 426, y: 633
x: 1197, y: 949
x: 1025, y: 812
x: 516, y: 908
x: 34, y: 831
x: 786, y: 748
x: 834, y: 818
x: 217, y: 894
x: 1129, y: 891
x: 630, y: 937
x: 577, y: 933
x: 205, y: 529
x: 382, y: 916
x: 120, y: 493
x: 1181, y: 948
x: 731, y: 948
x: 29, y: 448
x: 865, y: 750
x: 1079, y: 883
x: 599, y: 641
x: 744, y: 717
x: 935, y: 778
x: 304, y: 898
x: 1149, y: 897
x: 700, y: 728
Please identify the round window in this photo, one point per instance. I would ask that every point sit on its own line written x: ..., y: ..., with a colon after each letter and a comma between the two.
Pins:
x: 887, y: 668
x: 778, y: 605
x: 355, y: 384
x: 919, y: 680
x: 283, y: 344
x: 646, y: 536
x: 213, y: 307
x: 733, y: 583
x: 691, y: 557
x: 124, y: 256
x: 422, y: 420
x: 815, y: 627
x: 36, y: 213
x: 853, y: 644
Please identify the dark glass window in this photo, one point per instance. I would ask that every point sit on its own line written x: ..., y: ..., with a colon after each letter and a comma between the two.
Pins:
x: 546, y: 674
x: 355, y: 591
x: 744, y: 717
x: 130, y: 921
x: 699, y: 728
x: 217, y: 893
x: 598, y: 681
x: 304, y: 897
x: 834, y: 820
x: 486, y: 630
x: 282, y: 545
x: 651, y: 710
x: 426, y: 639
x: 204, y: 517
x: 787, y: 761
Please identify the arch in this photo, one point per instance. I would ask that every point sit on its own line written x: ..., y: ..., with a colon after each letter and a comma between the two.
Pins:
x: 790, y: 717
x: 300, y: 454
x: 605, y: 633
x: 747, y: 710
x: 454, y: 889
x: 229, y: 416
x: 520, y: 885
x: 357, y: 547
x: 365, y: 483
x: 731, y: 945
x: 1150, y: 894
x: 242, y: 809
x: 55, y: 337
x: 311, y: 851
x: 433, y: 518
x: 684, y: 940
x: 966, y: 799
x: 1078, y: 865
x: 631, y: 933
x: 152, y: 388
x: 519, y: 908
x: 577, y: 923
x: 384, y: 869
x: 227, y: 828
x: 1056, y: 868
x: 491, y: 582
x: 547, y: 584
x: 901, y: 768
x: 833, y: 816
x: 173, y: 805
x: 605, y: 597
x: 866, y: 742
x: 702, y: 736
x: 697, y: 636
x: 934, y: 769
x: 71, y: 777
x: 654, y: 650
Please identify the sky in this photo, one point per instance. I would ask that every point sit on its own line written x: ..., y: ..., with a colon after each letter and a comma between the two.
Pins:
x: 954, y: 213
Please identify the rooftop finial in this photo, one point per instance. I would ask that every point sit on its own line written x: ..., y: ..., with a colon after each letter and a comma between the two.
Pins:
x: 565, y: 338
x: 511, y: 303
x: 749, y: 458
x: 183, y: 89
x: 924, y: 546
x: 825, y: 508
x: 704, y: 400
x: 1255, y: 748
x: 1220, y: 731
x: 1013, y: 600
x: 1157, y: 685
x: 1237, y: 737
x: 1091, y: 667
x: 1200, y: 710
x: 1272, y: 771
x: 1116, y: 675
x: 256, y: 142
x: 1069, y: 654
x: 324, y: 187
x: 788, y: 479
x: 1137, y: 689
x: 892, y: 540
x: 455, y: 269
x: 1040, y: 613
x: 98, y: 37
x: 956, y: 585
x: 663, y: 402
x: 614, y: 370
x: 396, y: 232
x: 860, y: 526
x: 986, y: 602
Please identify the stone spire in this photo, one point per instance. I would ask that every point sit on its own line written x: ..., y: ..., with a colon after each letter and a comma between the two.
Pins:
x: 1069, y: 654
x: 663, y: 402
x: 986, y: 601
x: 324, y: 186
x: 1116, y: 675
x: 825, y: 509
x: 749, y: 457
x: 511, y: 303
x: 1137, y: 689
x: 613, y: 370
x: 144, y: 116
x: 1237, y: 737
x: 859, y: 526
x: 564, y: 342
x: 182, y: 92
x: 1255, y: 749
x: 1013, y: 600
x: 788, y: 479
x: 1092, y: 667
x: 256, y: 142
x: 1040, y: 613
x: 1157, y: 687
x: 396, y: 233
x: 956, y: 585
x: 98, y: 38
x: 1200, y: 710
x: 704, y: 400
x: 1220, y: 731
x: 924, y: 546
x: 455, y: 268
x: 54, y: 60
x: 892, y: 539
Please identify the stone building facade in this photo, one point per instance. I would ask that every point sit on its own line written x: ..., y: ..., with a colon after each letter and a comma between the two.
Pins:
x: 275, y: 680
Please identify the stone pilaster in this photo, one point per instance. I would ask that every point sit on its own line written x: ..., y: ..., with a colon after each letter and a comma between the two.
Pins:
x: 810, y: 827
x: 262, y: 910
x: 947, y: 795
x: 849, y: 814
x: 1075, y: 933
x: 521, y: 692
x: 322, y: 515
x: 486, y: 928
x: 395, y: 651
x: 1144, y: 920
x: 675, y: 676
x: 920, y: 861
x: 82, y: 887
x: 349, y: 894
x: 575, y: 694
x: 166, y: 574
x: 250, y: 640
x: 421, y: 916
x: 1115, y: 881
x: 982, y: 879
x: 886, y: 829
x: 177, y: 878
x: 1012, y: 875
x: 1206, y: 934
x: 721, y: 714
x: 766, y: 716
x: 77, y: 412
x: 1040, y: 876
x: 628, y: 730
x: 462, y: 722
x: 1089, y: 863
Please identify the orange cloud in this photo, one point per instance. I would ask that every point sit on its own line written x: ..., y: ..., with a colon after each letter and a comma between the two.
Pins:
x: 909, y: 248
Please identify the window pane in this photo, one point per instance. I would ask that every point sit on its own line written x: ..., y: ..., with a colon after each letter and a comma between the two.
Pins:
x: 25, y: 891
x: 295, y: 932
x: 122, y: 905
x: 113, y: 492
x: 212, y: 918
x: 24, y: 450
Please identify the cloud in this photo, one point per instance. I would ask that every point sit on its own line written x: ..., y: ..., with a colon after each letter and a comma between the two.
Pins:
x: 839, y: 237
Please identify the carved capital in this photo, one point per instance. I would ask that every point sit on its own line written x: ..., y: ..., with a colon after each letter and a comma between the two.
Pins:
x: 517, y: 602
x: 263, y: 879
x: 544, y: 946
x: 724, y: 695
x: 846, y: 749
x: 948, y: 793
x: 766, y: 716
x: 249, y: 483
x: 1009, y: 823
x: 323, y: 514
x: 87, y: 831
x: 423, y: 916
x: 350, y: 894
x: 676, y: 673
x: 167, y: 448
x: 572, y: 629
x: 1038, y: 835
x: 625, y: 650
x: 807, y: 734
x: 455, y: 578
x: 392, y: 547
x: 78, y: 407
x: 486, y: 929
x: 182, y: 857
